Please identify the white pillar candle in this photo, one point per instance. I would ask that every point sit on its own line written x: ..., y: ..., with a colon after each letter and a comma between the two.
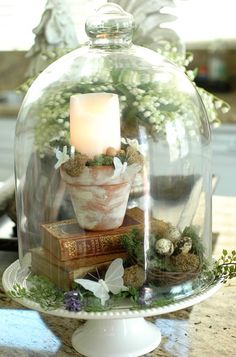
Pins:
x: 94, y: 122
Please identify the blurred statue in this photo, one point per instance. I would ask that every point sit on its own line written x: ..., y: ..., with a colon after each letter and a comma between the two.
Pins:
x: 149, y: 18
x: 54, y: 36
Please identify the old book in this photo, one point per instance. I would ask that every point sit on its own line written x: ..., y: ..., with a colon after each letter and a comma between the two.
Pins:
x: 66, y: 240
x: 62, y: 274
x: 77, y: 263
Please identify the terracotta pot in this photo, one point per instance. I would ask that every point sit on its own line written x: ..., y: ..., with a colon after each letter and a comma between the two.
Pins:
x: 99, y: 199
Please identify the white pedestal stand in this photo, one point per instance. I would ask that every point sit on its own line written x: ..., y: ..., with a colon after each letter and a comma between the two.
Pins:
x: 116, y: 333
x: 116, y: 338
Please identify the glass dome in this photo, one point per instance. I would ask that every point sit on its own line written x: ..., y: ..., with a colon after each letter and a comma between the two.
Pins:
x: 113, y: 172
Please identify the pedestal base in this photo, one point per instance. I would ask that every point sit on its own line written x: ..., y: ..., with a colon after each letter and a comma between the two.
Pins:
x: 130, y: 337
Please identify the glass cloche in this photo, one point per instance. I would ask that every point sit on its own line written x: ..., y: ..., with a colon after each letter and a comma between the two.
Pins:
x: 113, y: 175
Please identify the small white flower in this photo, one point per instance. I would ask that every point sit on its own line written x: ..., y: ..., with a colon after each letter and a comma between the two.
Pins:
x: 152, y: 120
x: 62, y: 133
x: 147, y: 114
x: 218, y: 104
x: 141, y: 109
x: 225, y: 110
x: 61, y: 156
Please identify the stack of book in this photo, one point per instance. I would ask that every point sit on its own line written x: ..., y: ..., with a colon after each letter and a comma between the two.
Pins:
x: 69, y: 252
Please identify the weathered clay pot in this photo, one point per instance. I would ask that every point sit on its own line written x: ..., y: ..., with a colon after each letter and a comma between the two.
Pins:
x: 99, y: 199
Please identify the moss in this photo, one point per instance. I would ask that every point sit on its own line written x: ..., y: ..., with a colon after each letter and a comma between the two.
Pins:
x: 134, y: 276
x: 134, y: 156
x: 185, y: 262
x: 197, y: 246
x: 75, y: 165
x: 100, y: 160
x: 159, y: 228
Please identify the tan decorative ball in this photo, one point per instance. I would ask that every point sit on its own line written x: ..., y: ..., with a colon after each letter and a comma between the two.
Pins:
x: 186, y: 262
x: 159, y: 228
x: 111, y: 151
x: 134, y: 276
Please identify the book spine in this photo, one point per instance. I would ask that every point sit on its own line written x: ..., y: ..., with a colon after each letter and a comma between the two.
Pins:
x: 90, y: 246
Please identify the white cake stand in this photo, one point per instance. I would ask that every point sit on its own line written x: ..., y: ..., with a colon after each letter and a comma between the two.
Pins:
x: 116, y: 333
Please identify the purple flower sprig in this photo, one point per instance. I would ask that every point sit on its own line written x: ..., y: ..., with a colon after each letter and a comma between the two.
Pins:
x: 72, y: 301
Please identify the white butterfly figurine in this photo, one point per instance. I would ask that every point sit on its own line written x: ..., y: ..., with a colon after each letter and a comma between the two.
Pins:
x: 119, y: 167
x: 113, y: 282
x: 61, y: 156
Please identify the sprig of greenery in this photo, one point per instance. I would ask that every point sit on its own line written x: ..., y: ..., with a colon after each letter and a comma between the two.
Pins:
x: 101, y: 160
x: 41, y: 291
x: 18, y: 292
x: 197, y: 246
x: 133, y: 243
x: 225, y: 267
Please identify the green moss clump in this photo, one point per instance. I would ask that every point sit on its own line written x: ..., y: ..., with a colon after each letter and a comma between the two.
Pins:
x: 75, y: 165
x: 133, y: 243
x: 197, y: 246
x: 100, y: 160
x: 134, y: 156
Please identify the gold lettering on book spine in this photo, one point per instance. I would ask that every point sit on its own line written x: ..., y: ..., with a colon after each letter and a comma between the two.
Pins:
x: 71, y: 248
x: 110, y: 242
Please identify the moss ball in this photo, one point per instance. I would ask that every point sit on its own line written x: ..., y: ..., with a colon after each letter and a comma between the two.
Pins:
x: 111, y: 151
x: 75, y: 165
x: 186, y: 262
x: 159, y: 228
x: 134, y: 276
x: 133, y: 156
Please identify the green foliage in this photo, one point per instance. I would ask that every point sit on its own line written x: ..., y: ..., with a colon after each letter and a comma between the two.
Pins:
x: 225, y: 267
x: 101, y: 160
x: 18, y: 292
x: 134, y: 294
x: 133, y: 243
x: 213, y: 104
x: 161, y: 302
x: 197, y: 246
x: 41, y: 291
x: 160, y: 263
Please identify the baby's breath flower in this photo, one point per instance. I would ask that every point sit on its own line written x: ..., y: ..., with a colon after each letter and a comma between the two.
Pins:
x: 152, y: 120
x: 225, y: 110
x: 147, y: 114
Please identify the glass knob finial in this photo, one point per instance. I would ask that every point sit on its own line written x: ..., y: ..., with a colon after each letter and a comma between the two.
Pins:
x: 110, y: 25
